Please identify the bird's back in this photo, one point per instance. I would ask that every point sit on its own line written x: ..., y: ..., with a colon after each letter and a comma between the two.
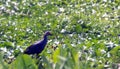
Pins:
x: 36, y: 48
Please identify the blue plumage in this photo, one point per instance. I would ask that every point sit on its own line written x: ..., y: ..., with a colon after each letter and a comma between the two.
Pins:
x: 39, y: 46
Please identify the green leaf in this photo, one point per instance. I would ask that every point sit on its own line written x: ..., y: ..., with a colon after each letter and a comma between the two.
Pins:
x: 55, y: 55
x: 3, y: 65
x: 23, y: 62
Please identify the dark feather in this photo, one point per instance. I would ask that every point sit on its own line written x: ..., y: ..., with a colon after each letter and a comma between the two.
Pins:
x: 37, y: 47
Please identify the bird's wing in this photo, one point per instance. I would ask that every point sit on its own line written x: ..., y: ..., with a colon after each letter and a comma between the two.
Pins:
x: 34, y: 47
x: 29, y: 48
x: 37, y: 42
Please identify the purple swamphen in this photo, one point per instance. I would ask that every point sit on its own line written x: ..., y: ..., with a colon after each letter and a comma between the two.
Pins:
x: 38, y: 47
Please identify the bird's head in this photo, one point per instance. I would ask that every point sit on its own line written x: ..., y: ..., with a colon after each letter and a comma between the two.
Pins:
x: 48, y: 33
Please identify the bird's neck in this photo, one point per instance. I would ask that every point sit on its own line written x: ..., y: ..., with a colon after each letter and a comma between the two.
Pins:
x: 45, y: 38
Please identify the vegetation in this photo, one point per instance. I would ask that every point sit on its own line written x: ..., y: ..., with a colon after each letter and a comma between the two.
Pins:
x: 86, y: 33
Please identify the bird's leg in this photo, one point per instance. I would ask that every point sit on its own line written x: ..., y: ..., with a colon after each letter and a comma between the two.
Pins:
x: 37, y: 56
x: 38, y: 61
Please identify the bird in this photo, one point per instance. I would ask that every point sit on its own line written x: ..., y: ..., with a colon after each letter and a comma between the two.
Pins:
x: 39, y: 46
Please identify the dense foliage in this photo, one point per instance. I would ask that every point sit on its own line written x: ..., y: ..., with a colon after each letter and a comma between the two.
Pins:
x: 86, y: 33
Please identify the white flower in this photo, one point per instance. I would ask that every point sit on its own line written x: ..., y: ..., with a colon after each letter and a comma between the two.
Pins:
x: 73, y: 45
x: 56, y: 42
x: 63, y: 30
x: 61, y: 9
x: 3, y: 49
x: 46, y: 13
x: 103, y: 51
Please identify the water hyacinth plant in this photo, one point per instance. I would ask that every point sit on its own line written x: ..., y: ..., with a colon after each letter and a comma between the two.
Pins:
x: 86, y: 34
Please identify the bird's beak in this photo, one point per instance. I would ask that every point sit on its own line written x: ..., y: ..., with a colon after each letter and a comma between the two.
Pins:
x: 50, y: 33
